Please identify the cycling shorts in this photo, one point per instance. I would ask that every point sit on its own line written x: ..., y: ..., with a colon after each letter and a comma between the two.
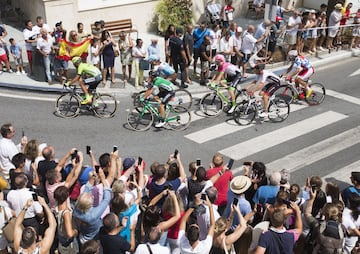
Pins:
x: 306, y: 73
x: 270, y: 88
x: 93, y: 82
x: 166, y: 96
x: 234, y: 80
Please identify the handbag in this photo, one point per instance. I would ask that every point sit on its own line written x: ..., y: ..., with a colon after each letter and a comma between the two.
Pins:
x: 144, y: 65
x: 8, y: 228
x: 116, y: 51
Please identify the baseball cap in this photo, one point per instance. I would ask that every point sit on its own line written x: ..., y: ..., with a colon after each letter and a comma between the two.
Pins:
x: 128, y: 163
x: 239, y: 29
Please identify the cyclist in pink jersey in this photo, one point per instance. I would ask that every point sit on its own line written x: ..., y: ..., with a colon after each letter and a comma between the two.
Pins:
x: 228, y: 75
x: 303, y: 70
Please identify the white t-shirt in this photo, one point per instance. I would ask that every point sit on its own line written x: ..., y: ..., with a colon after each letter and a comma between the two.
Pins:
x: 215, y: 38
x: 155, y: 248
x: 203, y: 221
x: 45, y: 45
x: 203, y: 247
x: 138, y: 51
x: 94, y: 59
x: 27, y: 35
x: 350, y: 224
x: 236, y: 41
x: 248, y: 43
x: 267, y: 76
x: 292, y: 21
x: 334, y: 19
x: 18, y: 199
x: 7, y: 150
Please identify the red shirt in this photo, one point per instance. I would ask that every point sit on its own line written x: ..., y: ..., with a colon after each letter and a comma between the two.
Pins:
x: 173, y: 231
x: 221, y: 184
x: 347, y: 15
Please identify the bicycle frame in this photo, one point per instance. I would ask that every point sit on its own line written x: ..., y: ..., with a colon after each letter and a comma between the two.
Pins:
x: 150, y: 106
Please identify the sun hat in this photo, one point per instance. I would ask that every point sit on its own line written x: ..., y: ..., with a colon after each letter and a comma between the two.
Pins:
x: 338, y: 6
x: 240, y: 184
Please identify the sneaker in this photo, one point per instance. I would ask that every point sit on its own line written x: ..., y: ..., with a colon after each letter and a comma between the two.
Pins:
x: 308, y: 92
x: 322, y: 49
x: 18, y: 73
x: 10, y: 71
x: 160, y: 124
x: 23, y: 72
x: 184, y: 86
x: 263, y: 114
x: 87, y: 100
x: 231, y: 110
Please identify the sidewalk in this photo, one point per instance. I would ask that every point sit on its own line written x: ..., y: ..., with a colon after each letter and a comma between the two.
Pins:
x: 24, y: 82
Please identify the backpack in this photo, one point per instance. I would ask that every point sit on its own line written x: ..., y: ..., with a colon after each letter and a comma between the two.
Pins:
x: 330, y: 238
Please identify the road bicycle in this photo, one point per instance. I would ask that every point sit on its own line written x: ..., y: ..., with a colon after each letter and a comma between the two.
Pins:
x: 247, y: 110
x: 68, y: 105
x: 185, y: 98
x: 142, y: 116
x: 291, y: 92
x: 212, y: 103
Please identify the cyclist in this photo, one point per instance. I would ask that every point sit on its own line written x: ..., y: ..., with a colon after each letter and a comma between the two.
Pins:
x: 264, y: 76
x: 228, y: 75
x: 162, y: 91
x: 163, y: 69
x: 303, y: 70
x: 87, y: 74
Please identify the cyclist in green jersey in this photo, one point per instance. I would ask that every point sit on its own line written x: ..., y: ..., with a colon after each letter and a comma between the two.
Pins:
x: 87, y: 75
x: 162, y: 91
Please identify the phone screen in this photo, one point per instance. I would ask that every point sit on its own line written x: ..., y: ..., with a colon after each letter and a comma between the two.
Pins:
x: 139, y: 161
x: 198, y: 162
x: 231, y: 163
x: 35, y: 197
x: 203, y: 196
x: 97, y: 167
x: 131, y: 178
x: 88, y: 149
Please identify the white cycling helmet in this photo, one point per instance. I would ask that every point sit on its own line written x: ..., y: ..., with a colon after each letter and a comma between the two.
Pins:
x: 292, y: 54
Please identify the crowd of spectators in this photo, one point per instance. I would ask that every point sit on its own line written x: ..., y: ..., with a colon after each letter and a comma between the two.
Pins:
x: 118, y: 205
x: 309, y: 30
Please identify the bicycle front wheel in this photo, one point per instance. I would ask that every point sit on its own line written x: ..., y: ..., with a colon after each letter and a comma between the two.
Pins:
x: 285, y: 93
x: 279, y: 110
x: 140, y: 121
x: 178, y: 118
x: 104, y: 105
x: 244, y: 113
x: 211, y: 104
x: 67, y: 105
x: 318, y: 94
x: 185, y: 97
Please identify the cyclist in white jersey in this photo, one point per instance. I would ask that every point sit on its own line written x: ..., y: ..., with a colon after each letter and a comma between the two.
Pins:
x: 163, y: 69
x: 272, y: 82
x: 303, y: 70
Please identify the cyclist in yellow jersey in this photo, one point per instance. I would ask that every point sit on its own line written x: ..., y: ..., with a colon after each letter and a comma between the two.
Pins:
x: 87, y: 74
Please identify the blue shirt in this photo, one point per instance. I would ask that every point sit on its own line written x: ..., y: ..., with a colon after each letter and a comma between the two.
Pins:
x: 92, y: 218
x: 199, y: 35
x: 154, y: 49
x: 15, y: 49
x: 266, y: 194
x: 243, y: 204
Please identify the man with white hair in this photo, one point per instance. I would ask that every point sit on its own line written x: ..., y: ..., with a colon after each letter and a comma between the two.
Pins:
x: 334, y: 24
x: 44, y: 47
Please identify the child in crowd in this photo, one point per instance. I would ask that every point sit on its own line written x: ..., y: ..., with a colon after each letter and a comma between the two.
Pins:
x: 3, y: 56
x: 16, y: 52
x: 95, y: 53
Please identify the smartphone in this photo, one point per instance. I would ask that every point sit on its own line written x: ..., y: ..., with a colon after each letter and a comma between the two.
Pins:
x: 88, y: 149
x: 97, y: 167
x: 131, y: 178
x: 74, y: 154
x: 176, y: 153
x: 115, y: 148
x: 230, y: 163
x: 235, y: 201
x: 198, y: 162
x: 35, y: 197
x: 139, y: 160
x: 313, y: 187
x: 203, y: 196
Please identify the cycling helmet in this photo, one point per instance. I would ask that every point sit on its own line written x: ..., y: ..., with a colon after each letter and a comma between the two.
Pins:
x: 260, y: 67
x: 153, y: 58
x: 76, y: 60
x: 292, y: 54
x: 219, y: 58
x: 152, y: 74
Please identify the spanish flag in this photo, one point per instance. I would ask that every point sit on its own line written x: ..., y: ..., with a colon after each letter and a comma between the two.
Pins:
x: 68, y: 49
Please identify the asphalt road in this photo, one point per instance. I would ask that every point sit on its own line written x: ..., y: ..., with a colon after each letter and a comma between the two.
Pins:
x: 338, y: 113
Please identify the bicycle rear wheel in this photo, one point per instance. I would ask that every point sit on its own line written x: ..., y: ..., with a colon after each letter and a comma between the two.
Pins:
x: 244, y: 113
x: 104, y: 105
x: 67, y: 105
x: 279, y: 110
x: 185, y: 97
x: 318, y: 94
x: 285, y: 93
x: 178, y: 118
x: 211, y: 104
x: 140, y: 121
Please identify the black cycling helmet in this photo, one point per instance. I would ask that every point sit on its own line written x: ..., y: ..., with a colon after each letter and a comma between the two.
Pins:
x: 260, y: 67
x: 152, y: 74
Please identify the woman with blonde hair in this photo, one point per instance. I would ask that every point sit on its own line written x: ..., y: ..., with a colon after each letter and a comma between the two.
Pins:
x: 222, y: 243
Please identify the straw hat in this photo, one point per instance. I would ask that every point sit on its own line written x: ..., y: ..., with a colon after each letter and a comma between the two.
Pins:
x: 240, y: 184
x: 338, y: 6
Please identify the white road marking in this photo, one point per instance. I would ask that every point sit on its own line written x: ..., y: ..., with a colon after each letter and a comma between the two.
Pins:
x: 316, y: 152
x: 282, y: 135
x: 343, y: 96
x: 343, y: 174
x: 26, y: 97
x: 357, y: 72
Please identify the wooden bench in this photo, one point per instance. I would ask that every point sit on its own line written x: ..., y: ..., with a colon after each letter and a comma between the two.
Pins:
x: 115, y: 27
